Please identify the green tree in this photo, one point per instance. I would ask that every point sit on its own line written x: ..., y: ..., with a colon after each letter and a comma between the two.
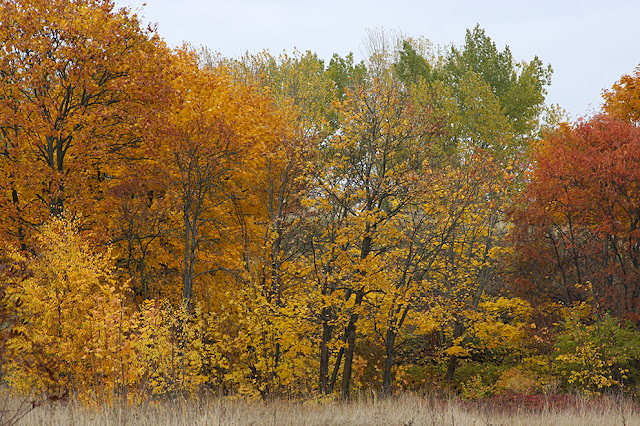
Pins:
x: 345, y: 73
x: 411, y: 67
x: 519, y: 86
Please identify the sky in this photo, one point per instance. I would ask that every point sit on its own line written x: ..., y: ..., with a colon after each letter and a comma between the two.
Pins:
x: 589, y: 43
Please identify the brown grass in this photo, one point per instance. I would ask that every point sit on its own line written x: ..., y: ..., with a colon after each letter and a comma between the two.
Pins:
x: 370, y: 410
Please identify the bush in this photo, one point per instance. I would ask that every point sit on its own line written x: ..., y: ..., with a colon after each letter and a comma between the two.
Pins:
x: 598, y: 356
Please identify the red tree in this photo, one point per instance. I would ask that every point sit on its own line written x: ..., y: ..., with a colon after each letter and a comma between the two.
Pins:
x: 577, y: 229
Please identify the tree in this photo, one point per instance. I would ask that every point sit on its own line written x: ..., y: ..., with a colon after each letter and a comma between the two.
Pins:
x: 14, y: 353
x: 577, y: 224
x: 597, y: 356
x: 411, y: 67
x: 623, y: 100
x: 144, y: 222
x: 520, y: 87
x: 76, y: 78
x: 228, y: 156
x: 273, y: 223
x: 199, y: 147
x: 492, y: 101
x: 345, y: 73
x: 72, y: 311
x: 480, y: 122
x: 372, y: 172
x: 485, y: 148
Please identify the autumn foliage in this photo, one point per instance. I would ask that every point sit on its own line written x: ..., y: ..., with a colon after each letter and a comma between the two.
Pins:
x: 623, y: 100
x: 274, y: 226
x: 579, y: 231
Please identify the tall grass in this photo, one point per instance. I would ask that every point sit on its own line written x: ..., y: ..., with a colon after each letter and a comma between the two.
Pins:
x: 404, y: 410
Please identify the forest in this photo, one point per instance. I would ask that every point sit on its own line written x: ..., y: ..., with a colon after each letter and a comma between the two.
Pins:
x: 173, y: 222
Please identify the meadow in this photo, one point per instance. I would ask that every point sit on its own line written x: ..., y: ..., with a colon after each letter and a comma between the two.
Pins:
x: 365, y: 409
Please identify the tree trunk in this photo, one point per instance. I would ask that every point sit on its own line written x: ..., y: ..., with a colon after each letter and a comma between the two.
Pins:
x: 451, y: 368
x: 350, y: 333
x: 187, y: 275
x: 390, y: 343
x: 327, y: 331
x: 458, y: 329
x: 388, y: 361
x: 16, y: 203
x: 336, y: 369
x: 348, y: 359
x: 190, y: 251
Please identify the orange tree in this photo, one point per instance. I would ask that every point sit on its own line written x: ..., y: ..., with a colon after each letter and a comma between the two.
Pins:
x: 76, y: 78
x: 232, y: 167
x: 623, y: 100
x: 213, y: 149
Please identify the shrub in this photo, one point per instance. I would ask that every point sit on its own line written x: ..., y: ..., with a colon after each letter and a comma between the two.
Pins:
x: 593, y: 357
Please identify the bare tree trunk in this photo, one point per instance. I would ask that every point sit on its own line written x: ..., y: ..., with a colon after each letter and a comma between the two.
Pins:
x: 187, y: 284
x: 15, y: 200
x: 190, y: 249
x: 458, y: 329
x: 327, y: 331
x: 390, y: 349
x: 388, y: 361
x: 351, y: 348
x: 336, y: 369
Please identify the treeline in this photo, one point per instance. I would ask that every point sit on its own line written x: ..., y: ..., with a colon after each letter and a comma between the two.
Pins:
x: 174, y: 222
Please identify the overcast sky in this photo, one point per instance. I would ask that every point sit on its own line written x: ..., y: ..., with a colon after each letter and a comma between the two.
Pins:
x: 589, y: 43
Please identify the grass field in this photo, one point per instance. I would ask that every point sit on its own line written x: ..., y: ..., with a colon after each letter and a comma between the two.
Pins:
x: 365, y: 410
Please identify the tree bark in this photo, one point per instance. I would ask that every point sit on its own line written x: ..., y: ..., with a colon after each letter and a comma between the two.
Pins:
x: 388, y: 361
x: 327, y: 331
x: 458, y: 329
x: 451, y: 368
x: 336, y: 369
x: 390, y: 350
x: 351, y: 348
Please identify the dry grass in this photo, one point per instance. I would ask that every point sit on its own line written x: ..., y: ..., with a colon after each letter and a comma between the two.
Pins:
x: 405, y: 410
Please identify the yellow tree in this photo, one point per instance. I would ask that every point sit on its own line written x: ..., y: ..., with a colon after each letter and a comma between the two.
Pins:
x: 491, y: 149
x: 73, y: 311
x: 373, y: 169
x: 424, y: 287
x: 407, y: 219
